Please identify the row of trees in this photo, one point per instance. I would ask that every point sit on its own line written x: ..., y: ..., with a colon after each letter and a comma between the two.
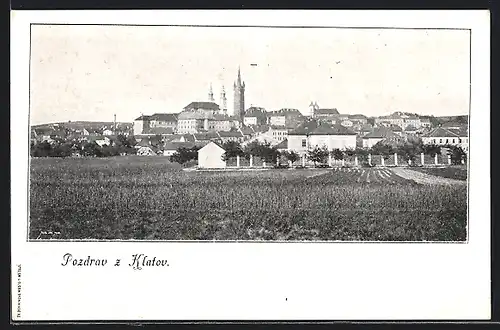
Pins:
x: 60, y: 148
x: 408, y: 151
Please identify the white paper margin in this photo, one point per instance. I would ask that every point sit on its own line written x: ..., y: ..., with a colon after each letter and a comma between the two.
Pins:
x: 238, y: 281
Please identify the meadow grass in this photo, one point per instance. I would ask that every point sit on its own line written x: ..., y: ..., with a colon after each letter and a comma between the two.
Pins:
x: 151, y: 198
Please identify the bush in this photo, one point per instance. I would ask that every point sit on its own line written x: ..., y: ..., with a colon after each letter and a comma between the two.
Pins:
x: 280, y: 166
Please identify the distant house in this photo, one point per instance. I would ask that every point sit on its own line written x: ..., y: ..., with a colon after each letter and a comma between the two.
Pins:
x: 147, y: 151
x: 410, y: 129
x: 285, y: 117
x: 164, y: 120
x: 347, y: 123
x: 255, y: 116
x: 141, y: 124
x: 315, y: 133
x: 210, y: 156
x: 453, y: 125
x: 282, y: 146
x: 236, y: 136
x: 107, y: 132
x: 378, y: 134
x: 100, y: 140
x: 208, y: 136
x: 396, y: 129
x: 443, y: 136
x: 358, y: 119
x: 326, y: 113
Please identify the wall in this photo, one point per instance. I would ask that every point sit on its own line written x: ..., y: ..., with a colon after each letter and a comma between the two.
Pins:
x: 138, y: 127
x: 210, y: 157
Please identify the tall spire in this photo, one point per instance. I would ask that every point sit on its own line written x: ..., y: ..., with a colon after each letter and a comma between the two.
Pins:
x: 211, y: 94
x: 239, y: 97
x: 223, y: 100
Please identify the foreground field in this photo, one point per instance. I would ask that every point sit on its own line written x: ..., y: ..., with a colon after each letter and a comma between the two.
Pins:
x: 150, y: 198
x: 450, y: 172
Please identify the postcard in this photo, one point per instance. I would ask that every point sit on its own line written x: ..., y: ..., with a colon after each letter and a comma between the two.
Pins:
x: 250, y: 165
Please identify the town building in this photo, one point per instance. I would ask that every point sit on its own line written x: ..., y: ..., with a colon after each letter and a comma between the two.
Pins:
x: 141, y: 124
x: 358, y: 119
x: 285, y: 117
x: 441, y: 136
x: 255, y: 116
x: 315, y: 133
x: 164, y: 120
x: 376, y: 135
x: 239, y: 98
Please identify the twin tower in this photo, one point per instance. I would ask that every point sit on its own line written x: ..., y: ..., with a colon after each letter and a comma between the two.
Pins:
x: 238, y: 100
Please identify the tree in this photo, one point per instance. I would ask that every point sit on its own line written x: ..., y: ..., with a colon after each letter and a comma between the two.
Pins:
x: 42, y: 149
x: 233, y: 149
x: 291, y: 156
x: 91, y: 149
x: 262, y: 150
x: 457, y: 154
x: 362, y: 154
x: 318, y: 155
x: 431, y: 149
x: 350, y: 152
x: 338, y: 154
x: 62, y: 150
x: 409, y: 151
x: 383, y: 149
x: 184, y: 155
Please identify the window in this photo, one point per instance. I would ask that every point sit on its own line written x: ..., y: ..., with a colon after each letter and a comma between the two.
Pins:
x: 433, y: 140
x: 304, y: 143
x: 453, y: 141
x: 446, y: 140
x: 440, y: 140
x: 459, y: 140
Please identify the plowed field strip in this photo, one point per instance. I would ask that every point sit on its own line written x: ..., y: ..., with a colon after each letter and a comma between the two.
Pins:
x: 423, y: 178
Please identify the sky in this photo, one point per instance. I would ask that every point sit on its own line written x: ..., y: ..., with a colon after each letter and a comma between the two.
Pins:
x: 93, y: 72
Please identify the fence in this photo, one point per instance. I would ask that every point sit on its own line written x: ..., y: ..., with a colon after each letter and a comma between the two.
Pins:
x: 368, y: 160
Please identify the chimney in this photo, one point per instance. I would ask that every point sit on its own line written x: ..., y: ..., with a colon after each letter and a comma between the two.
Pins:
x: 114, y: 123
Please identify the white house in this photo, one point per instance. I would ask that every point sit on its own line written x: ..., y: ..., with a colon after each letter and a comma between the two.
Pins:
x: 378, y: 134
x: 315, y: 133
x: 442, y: 136
x: 210, y: 156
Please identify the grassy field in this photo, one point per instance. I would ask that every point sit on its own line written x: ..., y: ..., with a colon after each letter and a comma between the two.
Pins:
x: 452, y: 172
x: 150, y: 198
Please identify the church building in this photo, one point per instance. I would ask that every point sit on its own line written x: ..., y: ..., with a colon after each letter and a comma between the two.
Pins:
x: 239, y: 98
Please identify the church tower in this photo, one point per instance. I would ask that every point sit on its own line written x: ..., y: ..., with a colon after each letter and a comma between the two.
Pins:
x: 223, y: 101
x: 210, y: 94
x: 239, y: 98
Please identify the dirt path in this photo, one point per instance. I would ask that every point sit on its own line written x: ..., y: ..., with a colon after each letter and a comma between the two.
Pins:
x: 423, y: 178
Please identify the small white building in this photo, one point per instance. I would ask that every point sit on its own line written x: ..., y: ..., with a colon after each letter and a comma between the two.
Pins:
x: 210, y: 156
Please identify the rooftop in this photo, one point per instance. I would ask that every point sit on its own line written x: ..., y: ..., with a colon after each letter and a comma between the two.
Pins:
x: 380, y: 132
x: 202, y: 105
x: 315, y: 127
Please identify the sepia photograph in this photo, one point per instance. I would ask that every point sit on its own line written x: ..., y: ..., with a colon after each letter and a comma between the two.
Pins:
x: 248, y: 133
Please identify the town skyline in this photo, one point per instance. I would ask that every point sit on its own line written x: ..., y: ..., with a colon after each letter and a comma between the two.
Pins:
x: 90, y: 73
